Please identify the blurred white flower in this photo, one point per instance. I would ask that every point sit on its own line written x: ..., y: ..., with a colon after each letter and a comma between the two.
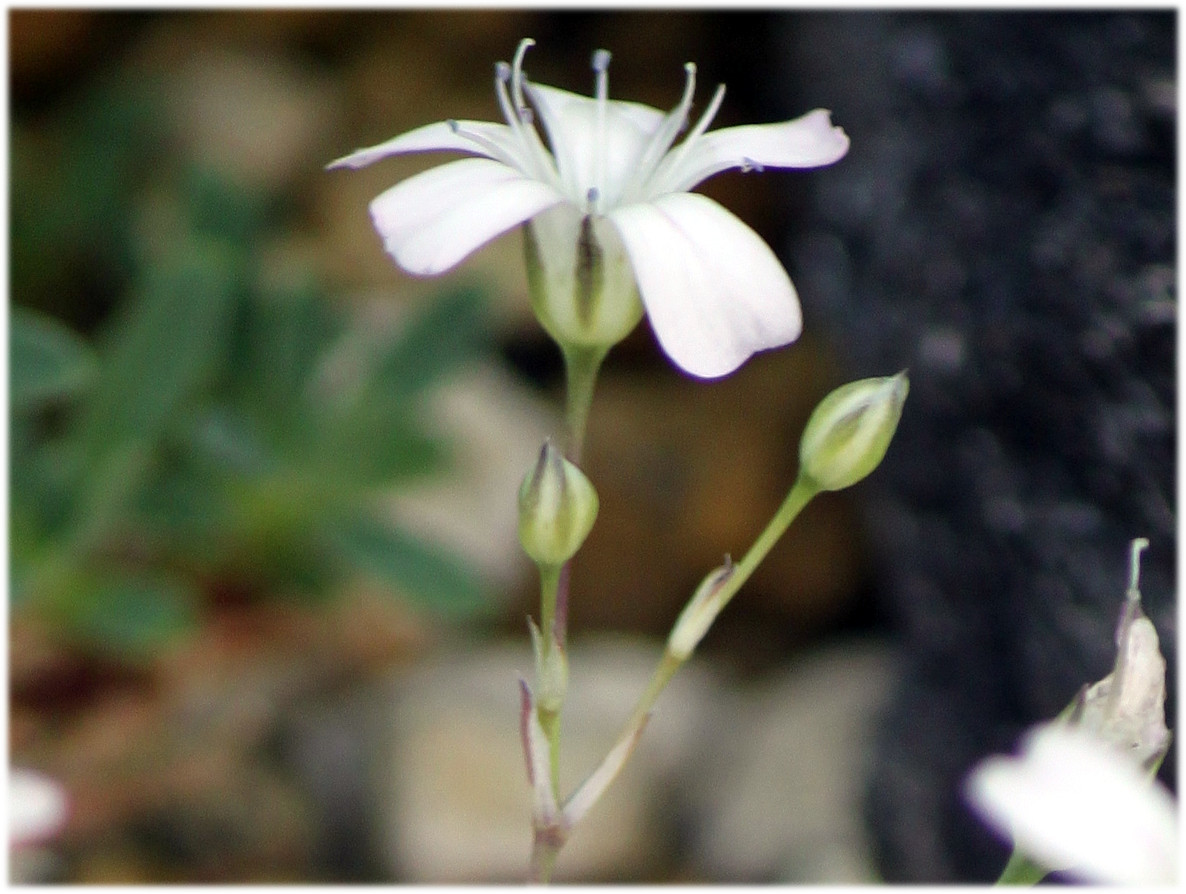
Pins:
x: 1072, y: 802
x: 37, y: 807
x: 714, y: 291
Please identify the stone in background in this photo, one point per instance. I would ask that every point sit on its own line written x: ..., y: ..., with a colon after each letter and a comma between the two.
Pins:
x: 1003, y: 227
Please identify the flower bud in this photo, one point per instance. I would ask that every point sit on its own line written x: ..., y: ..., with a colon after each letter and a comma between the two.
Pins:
x: 557, y: 508
x: 580, y: 279
x: 849, y: 432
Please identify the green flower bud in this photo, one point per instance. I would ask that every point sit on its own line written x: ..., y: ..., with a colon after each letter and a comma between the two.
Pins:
x: 580, y: 279
x: 849, y: 432
x: 557, y: 508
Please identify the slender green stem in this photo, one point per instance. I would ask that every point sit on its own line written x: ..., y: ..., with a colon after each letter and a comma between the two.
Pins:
x: 549, y: 581
x: 543, y: 860
x: 549, y: 716
x: 1020, y: 870
x: 800, y: 495
x: 581, y: 365
x: 581, y: 368
x: 664, y: 671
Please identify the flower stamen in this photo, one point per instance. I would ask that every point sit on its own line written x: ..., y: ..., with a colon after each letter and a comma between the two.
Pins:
x: 706, y: 118
x: 664, y: 180
x: 519, y: 117
x: 601, y: 93
x: 517, y: 72
x: 675, y: 122
x: 491, y: 148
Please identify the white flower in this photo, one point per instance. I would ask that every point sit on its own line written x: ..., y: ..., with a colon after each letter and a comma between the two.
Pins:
x: 1073, y: 802
x: 37, y: 807
x: 714, y: 291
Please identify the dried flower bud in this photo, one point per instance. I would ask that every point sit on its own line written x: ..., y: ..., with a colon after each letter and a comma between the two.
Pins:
x: 557, y: 508
x: 849, y: 432
x: 1127, y: 707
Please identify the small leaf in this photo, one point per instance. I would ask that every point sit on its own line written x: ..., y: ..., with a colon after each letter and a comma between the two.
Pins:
x: 442, y: 336
x: 425, y: 573
x: 283, y: 338
x: 377, y: 442
x: 131, y: 615
x: 165, y: 346
x: 47, y: 361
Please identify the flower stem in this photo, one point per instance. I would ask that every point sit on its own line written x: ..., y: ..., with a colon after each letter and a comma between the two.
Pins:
x: 800, y: 494
x: 1020, y: 870
x: 581, y: 368
x: 581, y: 365
x: 798, y: 497
x: 549, y: 585
x: 549, y: 717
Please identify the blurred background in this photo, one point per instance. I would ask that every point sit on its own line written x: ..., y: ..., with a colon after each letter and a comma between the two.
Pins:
x: 267, y: 603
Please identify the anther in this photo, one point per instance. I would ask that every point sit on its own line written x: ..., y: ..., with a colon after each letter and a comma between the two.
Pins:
x: 502, y: 71
x: 601, y: 60
x: 1134, y: 572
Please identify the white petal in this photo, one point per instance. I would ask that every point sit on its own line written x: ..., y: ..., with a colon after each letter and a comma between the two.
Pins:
x: 714, y: 291
x: 438, y: 137
x: 810, y: 141
x: 1075, y: 803
x: 432, y: 221
x: 571, y: 123
x: 37, y: 806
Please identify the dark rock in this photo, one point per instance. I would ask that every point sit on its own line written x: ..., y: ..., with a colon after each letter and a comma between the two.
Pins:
x: 1004, y: 227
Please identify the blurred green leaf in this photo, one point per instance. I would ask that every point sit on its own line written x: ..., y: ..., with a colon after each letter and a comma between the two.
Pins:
x: 424, y: 573
x: 225, y: 441
x: 217, y: 207
x: 129, y: 614
x: 282, y: 340
x: 74, y: 180
x: 168, y: 343
x: 47, y: 361
x: 377, y: 442
x: 437, y: 340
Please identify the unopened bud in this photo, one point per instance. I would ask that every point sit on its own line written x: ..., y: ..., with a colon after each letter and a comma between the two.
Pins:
x: 702, y: 609
x: 849, y: 432
x: 557, y: 508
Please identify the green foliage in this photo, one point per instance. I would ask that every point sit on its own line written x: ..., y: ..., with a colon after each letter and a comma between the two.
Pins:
x: 222, y: 434
x: 47, y: 361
